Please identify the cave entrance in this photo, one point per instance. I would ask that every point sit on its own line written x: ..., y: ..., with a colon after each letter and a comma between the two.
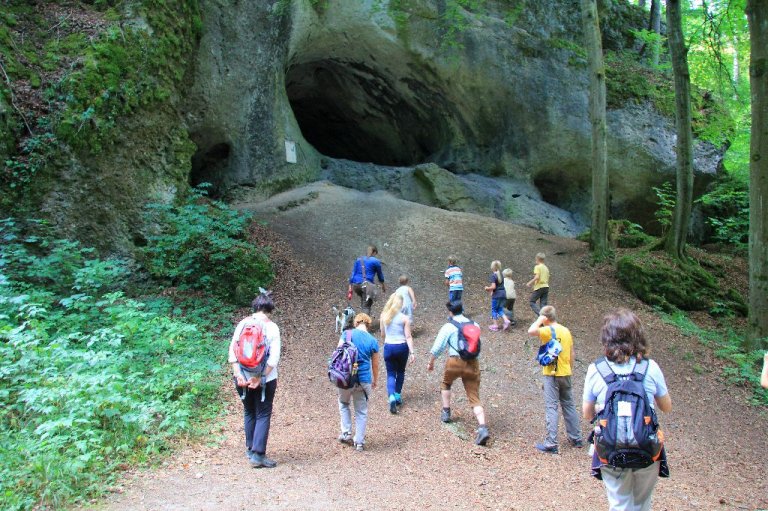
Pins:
x: 352, y: 110
x: 209, y: 164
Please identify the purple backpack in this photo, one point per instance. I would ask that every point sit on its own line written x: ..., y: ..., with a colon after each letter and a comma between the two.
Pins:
x: 342, y: 368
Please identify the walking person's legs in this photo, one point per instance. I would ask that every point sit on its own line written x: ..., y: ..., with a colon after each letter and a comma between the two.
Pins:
x: 552, y: 412
x: 345, y: 414
x: 361, y: 394
x: 571, y: 418
x: 645, y: 480
x: 249, y: 413
x: 535, y: 296
x: 263, y: 421
x: 402, y: 363
x: 544, y: 296
x: 470, y: 378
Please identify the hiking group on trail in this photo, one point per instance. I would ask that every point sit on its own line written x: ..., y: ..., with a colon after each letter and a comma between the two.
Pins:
x: 622, y: 389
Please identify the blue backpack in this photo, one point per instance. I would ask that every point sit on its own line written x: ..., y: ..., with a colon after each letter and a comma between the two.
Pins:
x: 549, y: 352
x: 627, y: 433
x: 342, y: 367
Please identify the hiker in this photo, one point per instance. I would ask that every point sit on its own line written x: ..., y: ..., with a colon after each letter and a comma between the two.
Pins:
x: 398, y: 348
x: 361, y: 280
x: 764, y: 375
x: 454, y: 280
x: 625, y: 346
x: 540, y: 283
x: 409, y: 297
x: 509, y: 303
x: 498, y: 298
x: 258, y: 391
x: 456, y: 367
x: 368, y: 376
x: 558, y: 388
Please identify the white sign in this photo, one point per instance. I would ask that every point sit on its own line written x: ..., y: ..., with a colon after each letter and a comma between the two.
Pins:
x: 290, y: 151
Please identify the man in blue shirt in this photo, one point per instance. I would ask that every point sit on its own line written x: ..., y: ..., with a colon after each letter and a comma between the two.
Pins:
x: 455, y: 368
x: 361, y: 280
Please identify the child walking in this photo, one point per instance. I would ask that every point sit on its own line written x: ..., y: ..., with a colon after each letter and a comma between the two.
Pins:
x: 540, y: 283
x: 408, y: 296
x: 498, y: 298
x: 509, y: 287
x: 453, y: 279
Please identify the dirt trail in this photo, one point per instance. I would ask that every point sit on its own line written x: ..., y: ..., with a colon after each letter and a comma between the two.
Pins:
x: 717, y: 444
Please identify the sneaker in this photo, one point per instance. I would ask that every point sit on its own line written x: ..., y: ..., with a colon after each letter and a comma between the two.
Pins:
x: 445, y: 415
x: 261, y: 461
x: 578, y: 444
x: 393, y: 407
x: 482, y: 436
x: 398, y: 400
x: 359, y: 447
x: 493, y: 328
x: 346, y: 438
x: 548, y: 449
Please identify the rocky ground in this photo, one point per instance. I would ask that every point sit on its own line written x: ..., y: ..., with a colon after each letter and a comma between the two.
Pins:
x: 716, y: 441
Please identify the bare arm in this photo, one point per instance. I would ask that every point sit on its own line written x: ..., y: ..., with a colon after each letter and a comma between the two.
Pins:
x: 375, y: 368
x: 664, y: 403
x: 533, y: 330
x: 413, y: 297
x: 409, y: 338
x: 588, y: 410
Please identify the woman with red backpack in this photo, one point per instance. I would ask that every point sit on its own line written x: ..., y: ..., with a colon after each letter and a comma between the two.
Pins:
x: 254, y: 354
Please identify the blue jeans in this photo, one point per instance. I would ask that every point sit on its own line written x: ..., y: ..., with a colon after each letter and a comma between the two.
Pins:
x: 455, y: 296
x: 497, y: 307
x: 396, y: 358
x: 258, y: 416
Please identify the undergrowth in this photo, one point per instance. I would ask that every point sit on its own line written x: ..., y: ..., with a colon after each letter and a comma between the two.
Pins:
x: 743, y: 367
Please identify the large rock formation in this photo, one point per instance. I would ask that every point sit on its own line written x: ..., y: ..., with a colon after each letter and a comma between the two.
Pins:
x: 504, y: 96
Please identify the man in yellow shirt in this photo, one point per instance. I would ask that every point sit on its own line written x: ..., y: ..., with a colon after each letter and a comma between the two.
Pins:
x: 557, y: 381
x: 540, y: 283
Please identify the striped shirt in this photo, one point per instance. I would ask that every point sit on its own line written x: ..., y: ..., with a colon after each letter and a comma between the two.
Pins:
x: 453, y: 275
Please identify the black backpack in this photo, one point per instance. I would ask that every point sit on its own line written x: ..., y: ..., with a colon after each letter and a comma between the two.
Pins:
x: 468, y: 336
x: 626, y: 433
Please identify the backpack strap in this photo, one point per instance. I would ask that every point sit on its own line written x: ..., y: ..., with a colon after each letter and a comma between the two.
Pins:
x: 553, y: 334
x: 605, y: 370
x: 458, y: 332
x: 349, y: 336
x: 640, y: 370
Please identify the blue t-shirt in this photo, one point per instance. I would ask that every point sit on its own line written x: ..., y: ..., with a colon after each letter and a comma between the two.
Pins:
x: 499, y: 292
x: 366, y: 345
x: 595, y: 387
x: 372, y: 270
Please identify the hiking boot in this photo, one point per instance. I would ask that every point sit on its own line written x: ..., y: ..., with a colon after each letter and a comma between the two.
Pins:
x: 261, y: 461
x: 445, y: 415
x: 482, y: 436
x: 359, y: 447
x: 346, y: 438
x: 552, y: 449
x: 578, y: 444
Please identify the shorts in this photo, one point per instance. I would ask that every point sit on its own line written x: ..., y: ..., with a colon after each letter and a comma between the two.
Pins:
x: 469, y: 372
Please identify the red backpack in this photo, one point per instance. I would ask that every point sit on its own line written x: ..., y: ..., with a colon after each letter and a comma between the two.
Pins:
x: 251, y: 348
x: 468, y: 345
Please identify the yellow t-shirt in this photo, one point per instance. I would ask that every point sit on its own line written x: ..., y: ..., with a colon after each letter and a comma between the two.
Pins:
x: 543, y: 272
x: 564, y: 359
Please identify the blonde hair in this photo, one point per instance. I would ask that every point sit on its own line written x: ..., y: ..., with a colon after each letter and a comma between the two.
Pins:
x: 507, y: 273
x: 541, y: 256
x: 549, y: 312
x: 496, y: 268
x: 363, y: 318
x: 452, y: 259
x: 393, y: 306
x: 403, y: 280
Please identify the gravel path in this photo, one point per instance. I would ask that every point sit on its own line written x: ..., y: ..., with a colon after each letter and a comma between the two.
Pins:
x: 716, y: 443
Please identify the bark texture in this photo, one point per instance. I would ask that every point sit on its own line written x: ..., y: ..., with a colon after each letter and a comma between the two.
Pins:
x: 757, y: 14
x: 676, y: 238
x: 599, y: 233
x: 654, y: 25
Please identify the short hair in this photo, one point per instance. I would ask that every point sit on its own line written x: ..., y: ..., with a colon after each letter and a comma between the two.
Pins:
x: 549, y: 312
x: 541, y: 256
x: 403, y: 280
x: 372, y: 249
x: 363, y: 318
x: 263, y: 302
x: 455, y: 307
x: 452, y: 259
x: 622, y: 336
x: 507, y: 273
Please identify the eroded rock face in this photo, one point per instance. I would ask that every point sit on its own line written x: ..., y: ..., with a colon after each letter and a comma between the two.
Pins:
x: 360, y: 81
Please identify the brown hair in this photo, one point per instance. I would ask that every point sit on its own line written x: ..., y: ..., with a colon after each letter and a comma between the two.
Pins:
x: 550, y: 313
x: 372, y: 250
x: 623, y: 337
x: 363, y: 318
x: 453, y: 260
x: 403, y: 280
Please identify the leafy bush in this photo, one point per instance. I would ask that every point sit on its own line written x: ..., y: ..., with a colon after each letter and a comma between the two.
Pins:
x: 626, y: 234
x: 202, y: 244
x: 726, y: 207
x: 89, y: 378
x: 665, y: 198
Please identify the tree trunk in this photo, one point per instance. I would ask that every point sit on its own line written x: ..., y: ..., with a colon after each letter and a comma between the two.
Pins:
x: 641, y: 3
x: 654, y: 25
x: 594, y: 46
x: 676, y: 238
x: 757, y: 14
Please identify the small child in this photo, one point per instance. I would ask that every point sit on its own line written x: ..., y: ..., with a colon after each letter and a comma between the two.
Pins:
x: 509, y: 287
x: 409, y: 298
x: 540, y: 283
x: 453, y: 279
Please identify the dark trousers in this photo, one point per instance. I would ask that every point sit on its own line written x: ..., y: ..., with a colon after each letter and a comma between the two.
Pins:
x: 366, y: 297
x: 396, y: 359
x: 455, y: 296
x: 258, y: 415
x: 510, y: 306
x: 539, y: 295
